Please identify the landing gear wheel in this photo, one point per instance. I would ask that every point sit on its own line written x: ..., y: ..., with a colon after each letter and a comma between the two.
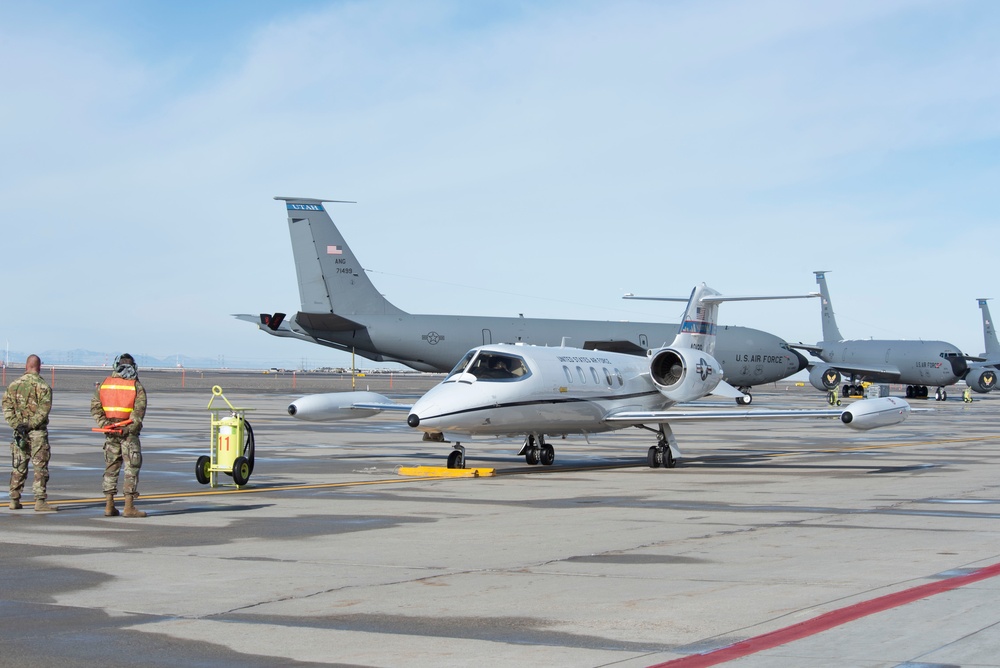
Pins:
x: 745, y: 400
x: 548, y: 455
x: 532, y: 456
x: 241, y: 471
x: 248, y: 445
x: 653, y: 457
x: 201, y: 470
x: 668, y: 458
x: 456, y: 460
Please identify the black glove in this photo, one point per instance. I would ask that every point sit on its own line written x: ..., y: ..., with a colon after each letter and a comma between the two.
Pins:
x: 22, y: 430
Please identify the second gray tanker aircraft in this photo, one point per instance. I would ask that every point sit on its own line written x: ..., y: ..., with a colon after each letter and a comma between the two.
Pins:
x: 914, y: 363
x: 342, y: 309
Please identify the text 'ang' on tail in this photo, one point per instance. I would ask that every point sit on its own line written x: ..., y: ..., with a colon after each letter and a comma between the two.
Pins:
x: 331, y: 280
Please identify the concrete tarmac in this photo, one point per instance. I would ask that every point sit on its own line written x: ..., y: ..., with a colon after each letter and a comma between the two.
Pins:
x: 792, y: 543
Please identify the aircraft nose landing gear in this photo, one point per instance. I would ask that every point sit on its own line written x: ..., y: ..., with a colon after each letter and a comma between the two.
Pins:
x: 456, y: 460
x: 747, y: 399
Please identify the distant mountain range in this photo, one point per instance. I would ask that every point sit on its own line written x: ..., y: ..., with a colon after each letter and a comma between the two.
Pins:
x: 97, y: 359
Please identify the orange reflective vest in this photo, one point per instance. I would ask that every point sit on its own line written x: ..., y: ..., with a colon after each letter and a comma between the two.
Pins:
x: 117, y: 397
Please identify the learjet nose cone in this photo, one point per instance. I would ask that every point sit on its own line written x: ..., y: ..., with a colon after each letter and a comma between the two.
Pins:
x: 292, y: 410
x: 413, y: 420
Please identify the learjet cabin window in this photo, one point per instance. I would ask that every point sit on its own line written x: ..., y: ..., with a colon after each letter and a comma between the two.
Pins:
x: 461, y: 366
x: 498, y: 366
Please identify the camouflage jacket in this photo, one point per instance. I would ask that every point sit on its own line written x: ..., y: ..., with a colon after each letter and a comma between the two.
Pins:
x: 138, y: 410
x: 28, y: 400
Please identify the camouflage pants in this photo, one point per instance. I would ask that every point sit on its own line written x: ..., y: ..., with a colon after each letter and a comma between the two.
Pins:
x: 119, y: 450
x: 34, y: 448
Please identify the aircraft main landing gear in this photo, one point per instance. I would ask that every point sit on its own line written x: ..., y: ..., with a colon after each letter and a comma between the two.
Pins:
x: 661, y: 454
x: 537, y: 451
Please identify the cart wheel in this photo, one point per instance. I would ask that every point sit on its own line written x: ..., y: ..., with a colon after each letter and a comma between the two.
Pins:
x: 248, y: 445
x: 241, y: 471
x: 201, y: 470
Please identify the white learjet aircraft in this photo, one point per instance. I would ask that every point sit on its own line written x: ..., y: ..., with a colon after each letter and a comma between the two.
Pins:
x: 534, y: 392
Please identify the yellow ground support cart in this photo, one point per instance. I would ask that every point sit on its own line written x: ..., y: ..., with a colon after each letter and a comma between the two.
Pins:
x: 232, y: 445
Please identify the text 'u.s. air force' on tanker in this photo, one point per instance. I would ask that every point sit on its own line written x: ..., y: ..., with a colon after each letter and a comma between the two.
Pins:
x: 914, y: 363
x: 538, y: 392
x: 342, y: 309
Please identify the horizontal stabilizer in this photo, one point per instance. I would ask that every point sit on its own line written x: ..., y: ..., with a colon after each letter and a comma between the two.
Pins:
x: 718, y: 299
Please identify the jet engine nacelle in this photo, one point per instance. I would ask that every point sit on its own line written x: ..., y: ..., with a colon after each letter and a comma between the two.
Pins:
x: 871, y: 413
x: 335, y: 406
x: 824, y: 378
x: 683, y: 374
x: 981, y: 380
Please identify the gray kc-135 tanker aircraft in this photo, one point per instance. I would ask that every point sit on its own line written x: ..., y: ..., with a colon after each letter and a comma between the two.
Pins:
x: 533, y: 391
x: 916, y: 364
x: 342, y: 309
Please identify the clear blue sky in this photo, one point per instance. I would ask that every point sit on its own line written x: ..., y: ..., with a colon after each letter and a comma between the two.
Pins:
x: 607, y: 147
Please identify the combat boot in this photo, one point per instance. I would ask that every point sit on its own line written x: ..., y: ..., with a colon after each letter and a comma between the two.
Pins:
x: 109, y: 506
x: 130, y: 509
x: 42, y: 506
x: 15, y: 504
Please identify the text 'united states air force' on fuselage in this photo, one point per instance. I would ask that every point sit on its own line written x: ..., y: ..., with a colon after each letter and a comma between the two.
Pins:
x: 342, y: 309
x: 537, y: 392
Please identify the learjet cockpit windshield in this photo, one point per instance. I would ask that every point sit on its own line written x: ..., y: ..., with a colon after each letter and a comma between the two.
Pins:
x: 491, y: 365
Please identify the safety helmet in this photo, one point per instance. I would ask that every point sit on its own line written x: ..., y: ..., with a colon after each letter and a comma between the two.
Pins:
x: 125, y: 366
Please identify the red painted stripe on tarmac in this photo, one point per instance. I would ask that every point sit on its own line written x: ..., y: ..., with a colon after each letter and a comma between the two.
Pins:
x: 828, y: 621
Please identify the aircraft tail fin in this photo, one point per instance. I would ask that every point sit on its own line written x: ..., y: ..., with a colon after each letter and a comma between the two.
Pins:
x: 989, y: 332
x: 830, y: 330
x: 697, y: 329
x: 331, y: 280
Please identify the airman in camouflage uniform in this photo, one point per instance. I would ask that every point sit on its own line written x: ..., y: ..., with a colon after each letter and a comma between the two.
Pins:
x: 26, y: 406
x: 120, y: 398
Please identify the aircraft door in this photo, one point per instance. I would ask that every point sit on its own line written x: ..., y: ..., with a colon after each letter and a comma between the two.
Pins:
x: 643, y: 342
x: 487, y: 337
